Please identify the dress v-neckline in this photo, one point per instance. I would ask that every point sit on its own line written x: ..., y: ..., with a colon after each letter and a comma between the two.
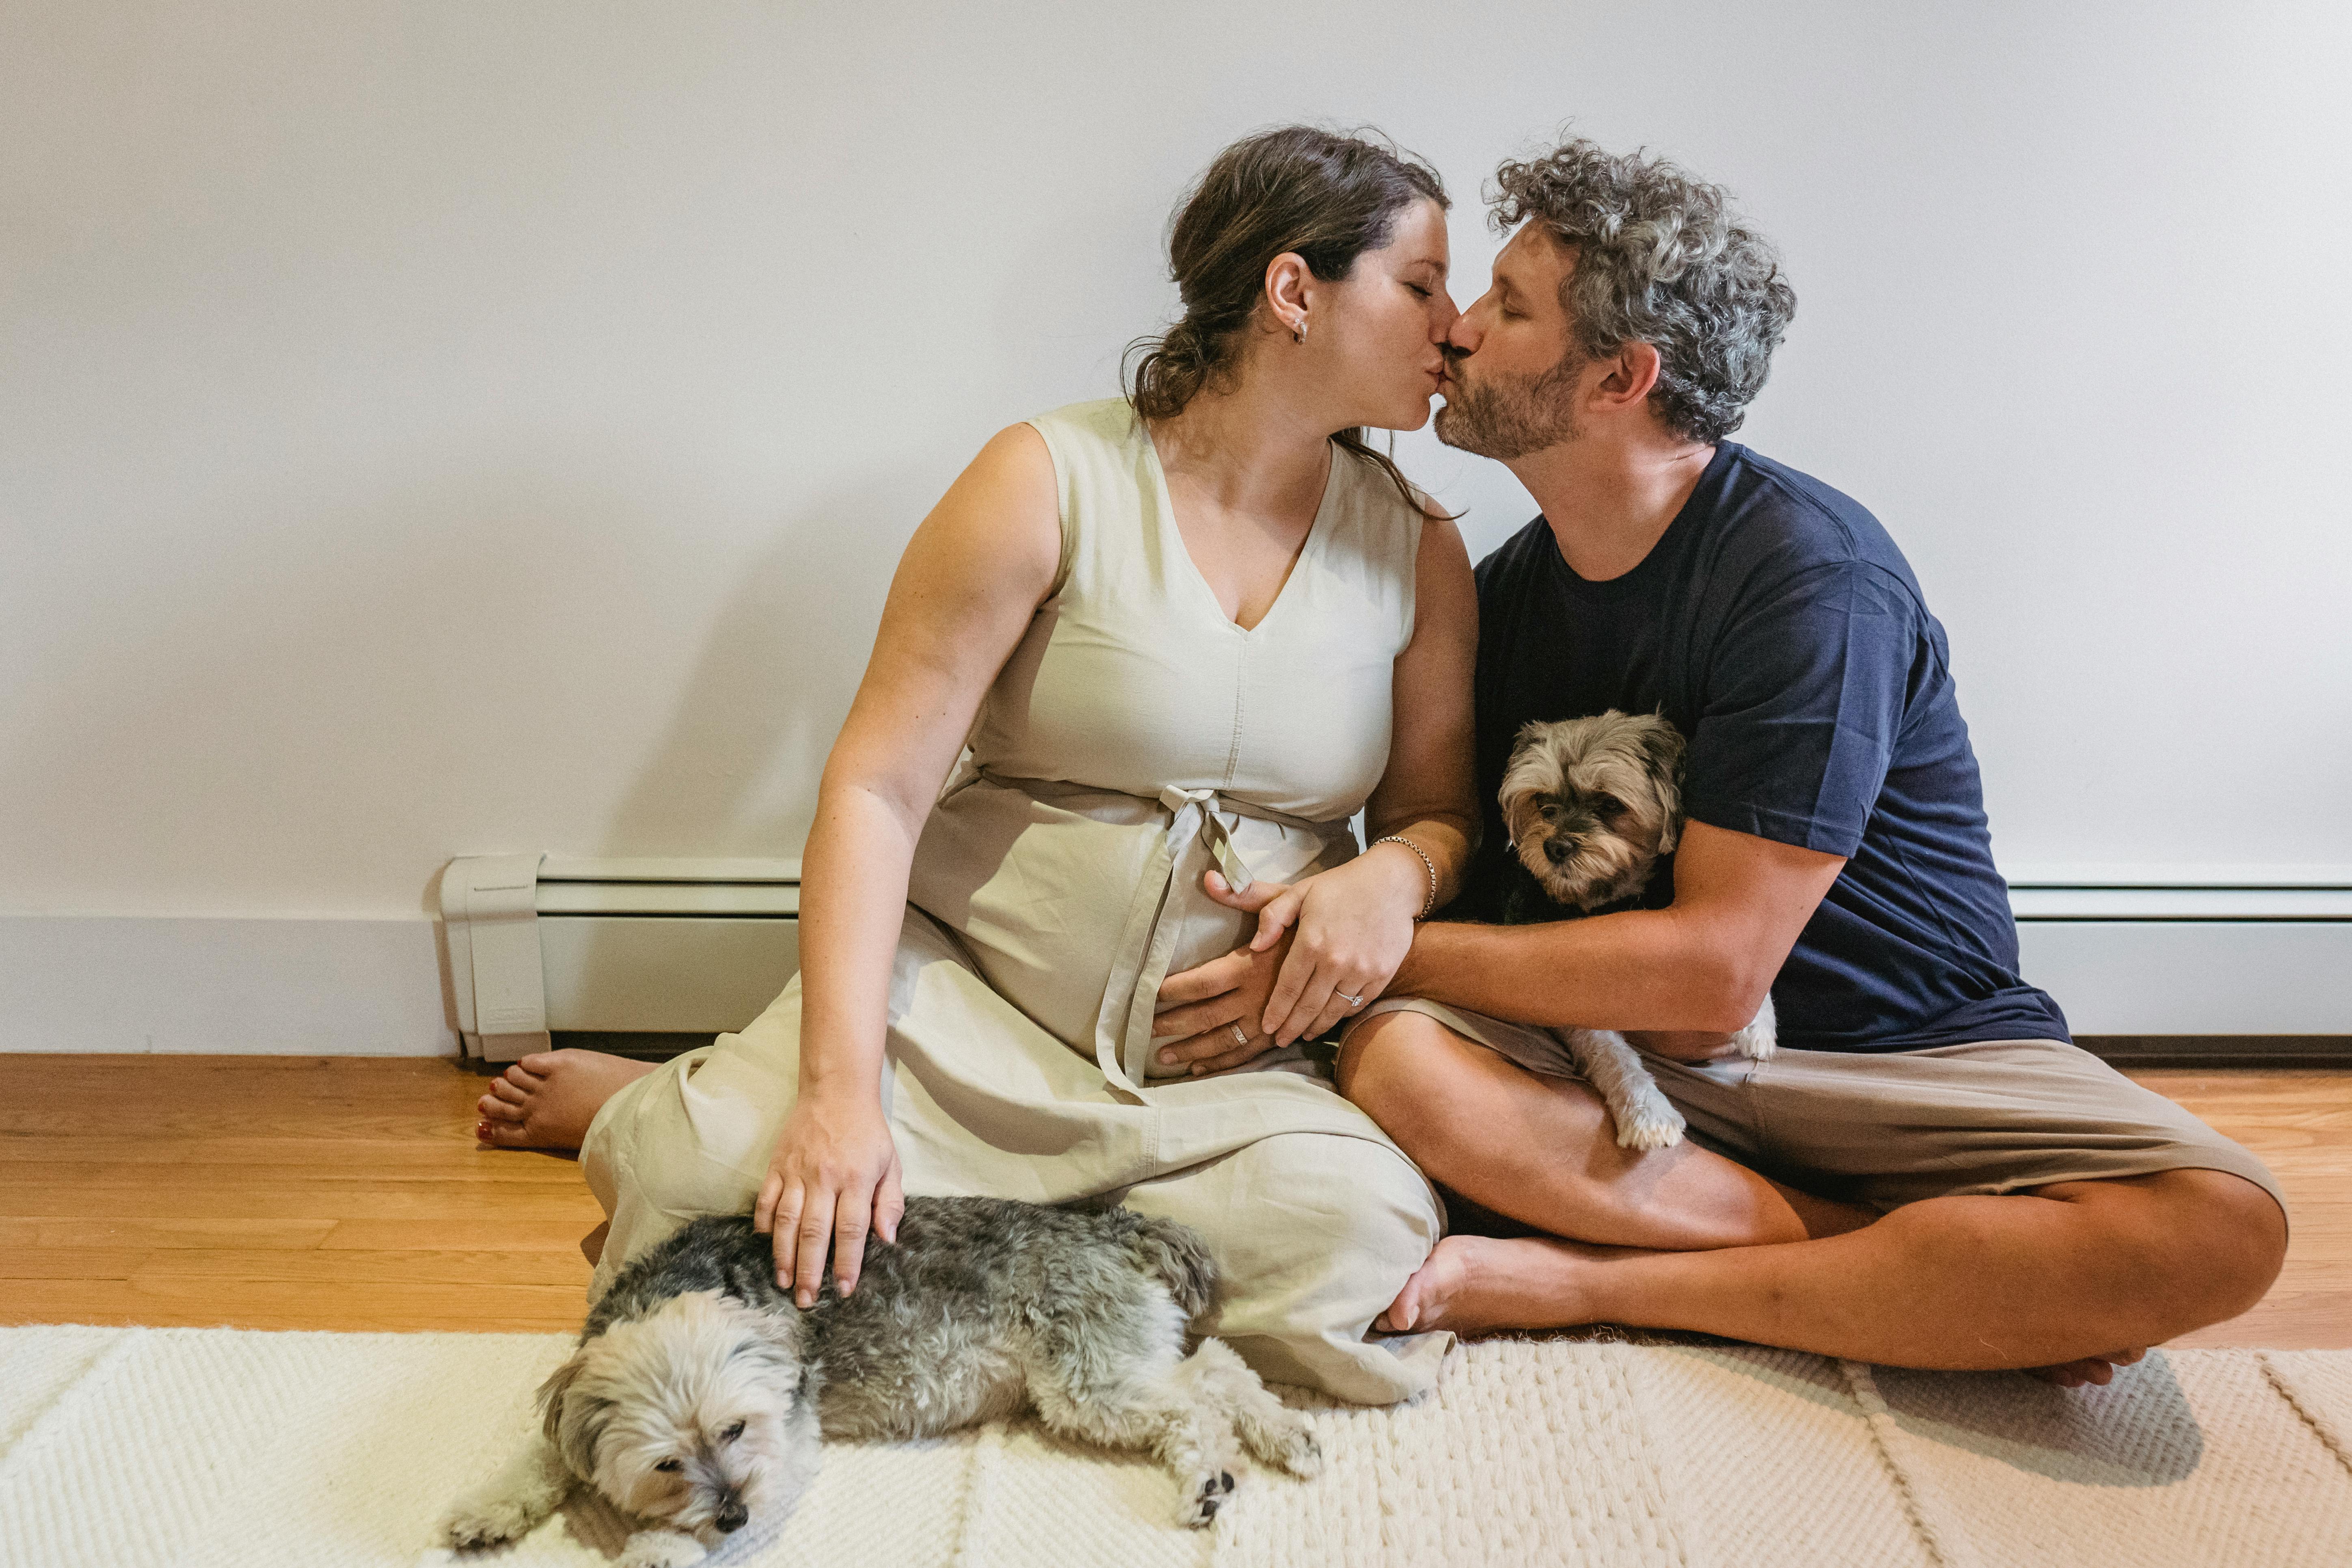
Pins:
x: 1200, y: 579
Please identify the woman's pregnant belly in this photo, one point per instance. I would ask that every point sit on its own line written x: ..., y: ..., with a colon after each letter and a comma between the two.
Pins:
x: 1055, y: 899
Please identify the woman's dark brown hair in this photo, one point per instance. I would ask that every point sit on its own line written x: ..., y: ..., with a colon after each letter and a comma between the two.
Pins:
x: 1324, y: 197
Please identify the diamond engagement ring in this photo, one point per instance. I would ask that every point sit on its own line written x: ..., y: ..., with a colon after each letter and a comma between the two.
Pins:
x: 1240, y: 1036
x: 1350, y: 1001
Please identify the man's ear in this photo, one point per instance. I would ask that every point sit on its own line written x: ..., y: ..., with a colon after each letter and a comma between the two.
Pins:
x: 1633, y: 376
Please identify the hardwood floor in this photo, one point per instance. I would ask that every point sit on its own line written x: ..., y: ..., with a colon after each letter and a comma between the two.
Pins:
x: 346, y: 1193
x: 276, y: 1193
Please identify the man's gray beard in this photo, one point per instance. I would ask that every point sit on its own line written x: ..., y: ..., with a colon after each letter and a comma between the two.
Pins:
x: 1501, y: 419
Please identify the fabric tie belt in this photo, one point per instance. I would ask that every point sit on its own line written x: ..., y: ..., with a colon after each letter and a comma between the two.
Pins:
x: 1155, y: 917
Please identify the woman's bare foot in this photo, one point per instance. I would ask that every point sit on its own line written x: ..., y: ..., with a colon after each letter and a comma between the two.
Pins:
x: 1473, y: 1283
x: 547, y: 1100
x: 2098, y: 1369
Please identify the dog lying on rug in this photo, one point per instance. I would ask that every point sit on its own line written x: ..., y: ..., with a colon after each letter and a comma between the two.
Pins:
x: 699, y: 1395
x: 1591, y: 804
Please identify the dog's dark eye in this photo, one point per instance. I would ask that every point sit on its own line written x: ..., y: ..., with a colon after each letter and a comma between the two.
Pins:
x: 1607, y: 804
x: 731, y: 1433
x: 670, y: 1467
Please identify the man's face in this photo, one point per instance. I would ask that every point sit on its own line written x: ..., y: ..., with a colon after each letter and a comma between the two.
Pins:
x: 1511, y: 364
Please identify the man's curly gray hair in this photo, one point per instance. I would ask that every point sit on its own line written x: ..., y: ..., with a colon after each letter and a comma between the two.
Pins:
x: 1661, y: 260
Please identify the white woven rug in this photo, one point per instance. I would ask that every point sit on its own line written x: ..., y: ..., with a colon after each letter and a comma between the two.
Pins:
x: 126, y: 1448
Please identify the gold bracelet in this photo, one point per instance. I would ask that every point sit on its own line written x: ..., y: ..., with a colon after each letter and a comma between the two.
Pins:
x: 1427, y: 865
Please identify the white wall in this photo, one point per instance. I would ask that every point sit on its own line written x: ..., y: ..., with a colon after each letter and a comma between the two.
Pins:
x: 432, y: 428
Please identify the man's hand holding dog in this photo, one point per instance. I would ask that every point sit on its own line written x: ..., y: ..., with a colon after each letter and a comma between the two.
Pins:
x: 835, y: 1177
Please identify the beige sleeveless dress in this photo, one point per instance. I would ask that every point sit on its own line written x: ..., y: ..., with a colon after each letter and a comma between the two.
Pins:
x: 1135, y: 738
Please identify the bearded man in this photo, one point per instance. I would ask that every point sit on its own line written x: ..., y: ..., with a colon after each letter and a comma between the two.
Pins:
x: 1928, y: 1174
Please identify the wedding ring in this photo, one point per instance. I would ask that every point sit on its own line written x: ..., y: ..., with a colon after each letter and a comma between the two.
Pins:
x: 1240, y: 1036
x: 1350, y: 1001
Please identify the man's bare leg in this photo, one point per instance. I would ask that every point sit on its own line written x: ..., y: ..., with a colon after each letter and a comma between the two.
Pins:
x: 2047, y: 1280
x: 2022, y: 1281
x: 1543, y: 1151
x: 547, y: 1100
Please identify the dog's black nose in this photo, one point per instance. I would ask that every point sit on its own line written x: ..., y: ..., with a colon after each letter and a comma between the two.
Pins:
x: 1558, y: 848
x: 733, y: 1517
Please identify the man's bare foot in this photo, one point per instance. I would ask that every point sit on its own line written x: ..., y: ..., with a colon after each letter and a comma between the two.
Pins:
x: 1473, y: 1283
x: 547, y: 1100
x: 2098, y: 1369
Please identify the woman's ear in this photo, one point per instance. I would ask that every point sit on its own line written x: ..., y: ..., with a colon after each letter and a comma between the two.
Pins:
x: 1288, y: 286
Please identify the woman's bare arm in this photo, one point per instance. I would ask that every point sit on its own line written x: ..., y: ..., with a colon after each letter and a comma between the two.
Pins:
x: 1429, y: 793
x: 966, y: 589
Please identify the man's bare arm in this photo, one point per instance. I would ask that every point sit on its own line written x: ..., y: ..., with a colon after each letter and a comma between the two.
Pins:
x: 1705, y: 964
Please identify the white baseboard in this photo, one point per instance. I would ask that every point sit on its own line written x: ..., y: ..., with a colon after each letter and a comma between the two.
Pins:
x: 226, y: 987
x: 2193, y: 977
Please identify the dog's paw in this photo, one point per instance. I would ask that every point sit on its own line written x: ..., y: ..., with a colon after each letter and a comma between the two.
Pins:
x: 1302, y: 1456
x: 660, y: 1549
x: 1208, y: 1494
x: 486, y: 1521
x: 1649, y: 1128
x: 1285, y: 1440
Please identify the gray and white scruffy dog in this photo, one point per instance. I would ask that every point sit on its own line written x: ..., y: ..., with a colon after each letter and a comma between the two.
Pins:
x: 700, y: 1391
x: 1591, y: 804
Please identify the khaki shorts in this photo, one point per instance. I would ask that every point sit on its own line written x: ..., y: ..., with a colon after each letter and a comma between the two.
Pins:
x: 1883, y: 1129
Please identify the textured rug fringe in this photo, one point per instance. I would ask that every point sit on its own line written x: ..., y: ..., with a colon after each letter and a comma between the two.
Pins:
x: 984, y: 1459
x: 2311, y: 1414
x: 1942, y: 1544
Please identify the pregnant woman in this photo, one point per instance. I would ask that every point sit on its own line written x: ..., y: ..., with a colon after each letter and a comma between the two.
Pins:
x: 1188, y: 632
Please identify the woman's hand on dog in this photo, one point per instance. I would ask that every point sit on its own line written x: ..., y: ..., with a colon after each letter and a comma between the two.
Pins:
x: 835, y: 1177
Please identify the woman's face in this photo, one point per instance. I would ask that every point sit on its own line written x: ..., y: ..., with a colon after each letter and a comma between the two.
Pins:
x: 1382, y: 325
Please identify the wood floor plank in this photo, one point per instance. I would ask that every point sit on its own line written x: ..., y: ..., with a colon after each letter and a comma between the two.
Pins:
x: 350, y: 1200
x: 250, y: 1235
x: 388, y: 1267
x: 474, y: 1233
x: 154, y: 1265
x: 19, y: 1153
x: 2287, y: 1320
x: 454, y: 1172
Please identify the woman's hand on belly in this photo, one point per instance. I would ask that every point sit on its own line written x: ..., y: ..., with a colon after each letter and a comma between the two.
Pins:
x: 1208, y: 1017
x: 834, y: 1178
x: 1354, y: 925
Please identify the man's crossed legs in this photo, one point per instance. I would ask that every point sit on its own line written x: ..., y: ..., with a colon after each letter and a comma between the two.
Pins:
x: 1914, y: 1262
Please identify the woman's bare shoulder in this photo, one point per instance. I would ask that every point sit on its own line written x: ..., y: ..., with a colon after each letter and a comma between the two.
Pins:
x: 999, y: 524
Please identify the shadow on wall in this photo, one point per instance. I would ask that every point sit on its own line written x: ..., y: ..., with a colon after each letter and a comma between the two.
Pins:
x: 304, y: 702
x: 735, y: 769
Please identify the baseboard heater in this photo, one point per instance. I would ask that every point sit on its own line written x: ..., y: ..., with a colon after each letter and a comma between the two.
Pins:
x: 646, y: 956
x: 2193, y: 965
x: 2187, y: 964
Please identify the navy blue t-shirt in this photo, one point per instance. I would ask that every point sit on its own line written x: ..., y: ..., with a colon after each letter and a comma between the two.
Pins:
x: 1779, y: 628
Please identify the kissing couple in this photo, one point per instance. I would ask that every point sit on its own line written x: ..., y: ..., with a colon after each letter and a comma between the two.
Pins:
x: 1084, y: 918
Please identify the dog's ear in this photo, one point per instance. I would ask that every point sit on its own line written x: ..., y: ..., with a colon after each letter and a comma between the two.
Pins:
x: 1662, y: 750
x: 573, y: 1422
